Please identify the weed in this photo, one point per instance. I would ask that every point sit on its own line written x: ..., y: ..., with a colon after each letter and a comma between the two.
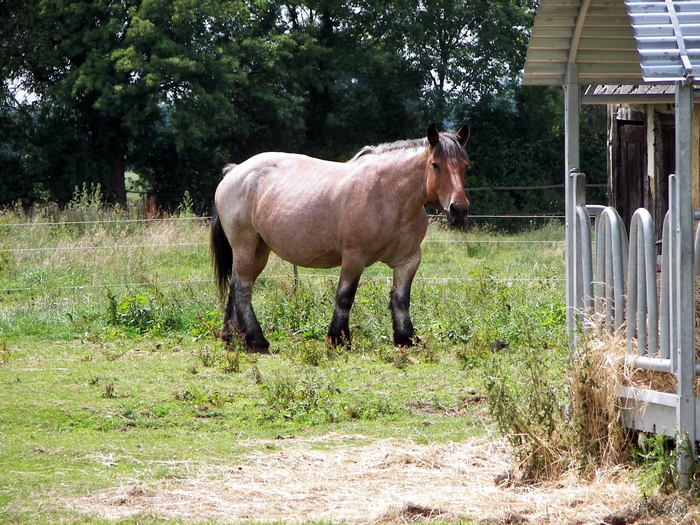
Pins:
x: 146, y: 314
x: 207, y: 356
x: 199, y: 396
x: 232, y: 356
x: 307, y: 351
x: 5, y: 352
x: 109, y: 391
x: 656, y: 458
x: 187, y: 205
x: 87, y: 198
x: 298, y: 398
x: 232, y: 361
x: 473, y: 355
x: 526, y: 399
x: 206, y: 326
x: 257, y: 375
x: 402, y: 357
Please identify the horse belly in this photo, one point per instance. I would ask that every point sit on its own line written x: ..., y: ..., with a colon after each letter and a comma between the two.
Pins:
x: 303, y: 251
x: 305, y: 242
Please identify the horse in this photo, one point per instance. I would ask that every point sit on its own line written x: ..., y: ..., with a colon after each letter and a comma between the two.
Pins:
x: 320, y: 214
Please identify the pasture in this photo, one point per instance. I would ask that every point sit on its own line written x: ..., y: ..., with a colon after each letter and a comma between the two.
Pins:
x: 118, y: 401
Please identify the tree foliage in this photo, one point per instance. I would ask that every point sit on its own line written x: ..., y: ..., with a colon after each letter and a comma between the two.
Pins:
x: 175, y: 89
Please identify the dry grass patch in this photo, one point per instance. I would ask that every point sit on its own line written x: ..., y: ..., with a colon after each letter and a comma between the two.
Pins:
x: 385, y: 481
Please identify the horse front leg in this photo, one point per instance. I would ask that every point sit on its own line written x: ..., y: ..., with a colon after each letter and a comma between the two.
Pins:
x: 339, y: 329
x: 400, y: 301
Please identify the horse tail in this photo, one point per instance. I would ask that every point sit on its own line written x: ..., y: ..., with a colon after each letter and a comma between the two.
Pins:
x: 222, y: 255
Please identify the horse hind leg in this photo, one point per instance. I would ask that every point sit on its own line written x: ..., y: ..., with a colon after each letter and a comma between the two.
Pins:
x: 239, y: 317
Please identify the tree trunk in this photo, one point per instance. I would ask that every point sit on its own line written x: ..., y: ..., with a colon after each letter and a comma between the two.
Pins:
x: 116, y: 176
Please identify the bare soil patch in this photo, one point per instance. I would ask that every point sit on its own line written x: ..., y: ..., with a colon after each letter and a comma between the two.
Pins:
x: 381, y: 482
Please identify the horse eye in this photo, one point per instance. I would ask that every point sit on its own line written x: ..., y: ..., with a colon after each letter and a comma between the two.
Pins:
x: 435, y: 166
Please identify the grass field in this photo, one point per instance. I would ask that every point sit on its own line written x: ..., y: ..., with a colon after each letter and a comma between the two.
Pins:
x: 111, y: 374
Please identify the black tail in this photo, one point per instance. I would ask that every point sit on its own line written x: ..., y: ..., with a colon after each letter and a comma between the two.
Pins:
x: 221, y: 255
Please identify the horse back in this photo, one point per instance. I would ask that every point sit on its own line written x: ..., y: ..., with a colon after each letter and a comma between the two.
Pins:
x: 311, y: 212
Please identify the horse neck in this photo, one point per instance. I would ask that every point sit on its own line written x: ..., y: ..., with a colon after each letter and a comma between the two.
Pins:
x: 408, y: 170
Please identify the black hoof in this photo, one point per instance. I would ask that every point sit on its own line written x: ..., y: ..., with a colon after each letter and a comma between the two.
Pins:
x: 258, y: 345
x: 405, y: 340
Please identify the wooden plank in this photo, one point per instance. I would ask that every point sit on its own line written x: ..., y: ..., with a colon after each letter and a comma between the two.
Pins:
x: 607, y: 33
x: 555, y: 21
x: 549, y: 43
x: 619, y: 56
x: 607, y: 45
x: 547, y: 55
x: 558, y: 10
x: 551, y: 32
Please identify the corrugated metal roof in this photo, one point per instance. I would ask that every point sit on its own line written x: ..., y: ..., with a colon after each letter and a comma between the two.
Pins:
x: 595, y: 34
x: 668, y: 38
x: 614, y: 41
x: 636, y: 94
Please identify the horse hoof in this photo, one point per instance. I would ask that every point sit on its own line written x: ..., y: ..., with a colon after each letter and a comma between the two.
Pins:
x: 225, y: 335
x: 405, y: 341
x: 259, y: 346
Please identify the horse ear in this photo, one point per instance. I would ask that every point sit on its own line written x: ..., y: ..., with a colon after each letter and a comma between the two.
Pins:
x: 433, y: 135
x: 463, y: 135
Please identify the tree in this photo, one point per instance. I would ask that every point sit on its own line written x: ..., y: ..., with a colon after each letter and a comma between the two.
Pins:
x: 464, y: 49
x: 111, y: 71
x: 175, y: 89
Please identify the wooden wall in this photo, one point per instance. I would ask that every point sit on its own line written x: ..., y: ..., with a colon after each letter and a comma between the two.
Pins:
x: 641, y: 156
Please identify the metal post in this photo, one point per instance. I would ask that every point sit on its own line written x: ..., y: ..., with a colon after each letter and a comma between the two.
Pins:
x: 572, y: 109
x: 684, y: 268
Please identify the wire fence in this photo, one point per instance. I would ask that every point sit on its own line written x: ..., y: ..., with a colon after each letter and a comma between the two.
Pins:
x: 49, y: 250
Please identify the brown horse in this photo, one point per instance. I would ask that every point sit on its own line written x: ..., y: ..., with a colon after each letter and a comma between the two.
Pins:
x: 319, y: 214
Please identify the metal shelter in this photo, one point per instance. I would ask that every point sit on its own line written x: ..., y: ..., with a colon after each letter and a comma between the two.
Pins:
x: 581, y: 44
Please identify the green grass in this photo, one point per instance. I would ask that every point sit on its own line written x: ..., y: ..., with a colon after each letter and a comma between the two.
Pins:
x: 110, y: 368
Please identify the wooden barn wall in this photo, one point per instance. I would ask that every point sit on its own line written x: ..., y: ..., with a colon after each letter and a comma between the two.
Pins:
x: 641, y: 156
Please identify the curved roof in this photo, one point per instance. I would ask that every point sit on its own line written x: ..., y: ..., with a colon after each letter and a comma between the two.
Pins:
x: 614, y: 41
x: 595, y: 34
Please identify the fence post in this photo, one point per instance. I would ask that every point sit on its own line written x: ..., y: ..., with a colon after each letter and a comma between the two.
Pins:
x: 581, y: 232
x: 572, y: 111
x: 684, y: 269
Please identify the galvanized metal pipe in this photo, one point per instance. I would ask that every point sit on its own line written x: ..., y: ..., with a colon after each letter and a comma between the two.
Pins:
x: 611, y: 253
x: 642, y: 306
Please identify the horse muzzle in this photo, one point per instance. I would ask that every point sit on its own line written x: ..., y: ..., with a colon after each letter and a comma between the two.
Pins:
x: 457, y: 213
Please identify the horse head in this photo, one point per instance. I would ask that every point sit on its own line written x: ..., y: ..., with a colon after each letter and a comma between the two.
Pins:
x: 447, y: 162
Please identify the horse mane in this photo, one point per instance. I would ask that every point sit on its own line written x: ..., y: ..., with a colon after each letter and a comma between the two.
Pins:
x: 448, y: 146
x: 391, y: 147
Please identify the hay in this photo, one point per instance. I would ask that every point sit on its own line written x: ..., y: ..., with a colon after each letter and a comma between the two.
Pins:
x: 614, y: 348
x: 384, y: 482
x: 595, y: 374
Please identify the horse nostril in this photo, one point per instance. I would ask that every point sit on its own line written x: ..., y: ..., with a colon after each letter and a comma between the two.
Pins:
x: 458, y: 210
x: 457, y: 213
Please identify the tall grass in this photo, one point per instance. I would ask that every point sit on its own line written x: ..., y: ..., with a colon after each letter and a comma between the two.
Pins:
x: 114, y: 276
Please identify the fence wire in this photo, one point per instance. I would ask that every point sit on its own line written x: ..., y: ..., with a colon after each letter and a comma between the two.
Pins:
x: 46, y: 250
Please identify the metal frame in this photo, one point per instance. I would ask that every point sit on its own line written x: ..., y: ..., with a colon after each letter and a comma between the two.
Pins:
x: 564, y: 50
